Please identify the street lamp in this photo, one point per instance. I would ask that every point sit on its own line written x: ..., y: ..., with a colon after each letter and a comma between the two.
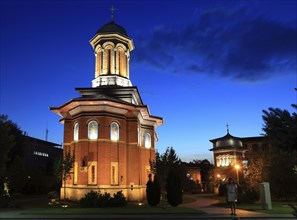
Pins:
x: 237, y: 168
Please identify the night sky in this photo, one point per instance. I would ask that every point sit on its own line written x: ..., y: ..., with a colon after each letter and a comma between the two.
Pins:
x: 198, y: 64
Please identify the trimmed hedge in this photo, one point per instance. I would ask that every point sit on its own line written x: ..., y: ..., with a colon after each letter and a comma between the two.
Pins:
x: 94, y: 199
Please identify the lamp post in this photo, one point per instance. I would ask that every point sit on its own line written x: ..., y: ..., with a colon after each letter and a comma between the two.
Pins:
x: 237, y: 168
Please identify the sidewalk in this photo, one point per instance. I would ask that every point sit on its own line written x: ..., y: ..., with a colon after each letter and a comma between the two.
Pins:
x: 206, y: 205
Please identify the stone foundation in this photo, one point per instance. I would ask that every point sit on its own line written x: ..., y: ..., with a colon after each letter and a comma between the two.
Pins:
x: 133, y: 194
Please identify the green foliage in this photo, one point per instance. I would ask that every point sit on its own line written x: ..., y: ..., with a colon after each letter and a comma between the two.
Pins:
x: 166, y: 163
x: 90, y: 200
x: 4, y: 195
x: 4, y: 201
x: 156, y: 191
x: 281, y: 175
x: 118, y: 200
x: 206, y: 171
x: 11, y: 153
x: 153, y: 192
x: 280, y: 128
x: 104, y: 200
x: 7, y: 142
x: 149, y: 192
x: 222, y: 190
x: 53, y: 195
x: 174, y: 188
x: 95, y: 199
x: 248, y: 196
x: 64, y: 165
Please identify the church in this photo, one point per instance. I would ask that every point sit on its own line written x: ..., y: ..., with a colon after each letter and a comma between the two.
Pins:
x: 233, y: 154
x: 109, y: 129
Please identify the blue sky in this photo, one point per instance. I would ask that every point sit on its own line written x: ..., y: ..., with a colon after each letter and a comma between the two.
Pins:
x: 198, y: 64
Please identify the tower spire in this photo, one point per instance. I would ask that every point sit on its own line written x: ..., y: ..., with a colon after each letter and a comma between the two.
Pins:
x: 227, y: 125
x: 113, y: 9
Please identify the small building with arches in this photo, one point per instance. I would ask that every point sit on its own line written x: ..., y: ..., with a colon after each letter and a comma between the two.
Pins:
x: 109, y: 129
x: 232, y: 155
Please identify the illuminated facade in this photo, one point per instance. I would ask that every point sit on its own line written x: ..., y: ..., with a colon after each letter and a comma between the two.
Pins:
x: 232, y: 155
x: 109, y: 129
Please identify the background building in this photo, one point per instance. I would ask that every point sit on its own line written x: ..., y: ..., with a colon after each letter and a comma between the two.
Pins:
x: 232, y: 155
x: 108, y: 128
x: 31, y: 166
x: 40, y: 154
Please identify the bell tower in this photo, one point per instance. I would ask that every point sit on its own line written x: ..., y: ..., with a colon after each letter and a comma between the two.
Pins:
x: 109, y: 129
x: 112, y: 48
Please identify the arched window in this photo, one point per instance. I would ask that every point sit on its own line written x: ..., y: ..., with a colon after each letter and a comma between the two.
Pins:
x: 93, y: 130
x: 147, y: 140
x: 122, y: 62
x: 114, y: 131
x: 75, y: 132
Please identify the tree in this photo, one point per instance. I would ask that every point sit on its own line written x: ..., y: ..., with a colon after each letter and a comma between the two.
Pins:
x: 10, y: 135
x: 168, y: 163
x: 206, y: 171
x: 149, y: 191
x: 280, y: 127
x: 11, y: 154
x: 153, y: 191
x: 255, y: 173
x: 174, y: 188
x: 156, y: 191
x: 63, y: 168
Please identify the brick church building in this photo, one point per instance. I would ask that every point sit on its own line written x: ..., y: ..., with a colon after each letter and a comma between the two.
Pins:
x: 108, y: 128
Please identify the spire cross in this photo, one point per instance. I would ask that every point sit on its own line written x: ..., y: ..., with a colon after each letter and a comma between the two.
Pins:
x: 227, y: 125
x: 113, y: 9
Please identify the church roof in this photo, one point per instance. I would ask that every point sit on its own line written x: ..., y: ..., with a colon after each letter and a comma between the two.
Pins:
x: 112, y: 27
x: 226, y: 141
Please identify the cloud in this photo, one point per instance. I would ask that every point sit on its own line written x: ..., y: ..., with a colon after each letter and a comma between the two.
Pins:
x: 227, y: 43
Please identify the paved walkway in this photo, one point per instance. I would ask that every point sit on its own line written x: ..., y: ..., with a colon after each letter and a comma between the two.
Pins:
x: 205, y: 204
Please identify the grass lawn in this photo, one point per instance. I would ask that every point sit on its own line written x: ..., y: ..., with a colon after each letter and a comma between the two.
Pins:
x: 129, y: 210
x: 38, y: 205
x: 277, y: 206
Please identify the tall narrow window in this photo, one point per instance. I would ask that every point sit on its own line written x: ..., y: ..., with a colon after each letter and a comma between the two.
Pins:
x: 114, y: 131
x: 75, y: 173
x: 147, y: 140
x: 114, y: 173
x: 148, y: 172
x: 93, y: 130
x: 92, y: 172
x: 75, y: 131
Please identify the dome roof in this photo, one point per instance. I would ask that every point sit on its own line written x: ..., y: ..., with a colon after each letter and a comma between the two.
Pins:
x: 227, y: 141
x: 112, y: 27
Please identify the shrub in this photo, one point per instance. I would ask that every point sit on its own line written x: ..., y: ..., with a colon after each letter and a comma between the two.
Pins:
x: 53, y: 195
x: 104, y: 200
x: 95, y: 199
x: 90, y: 200
x: 118, y: 200
x: 248, y: 196
x: 156, y: 191
x: 222, y: 190
x: 4, y: 201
